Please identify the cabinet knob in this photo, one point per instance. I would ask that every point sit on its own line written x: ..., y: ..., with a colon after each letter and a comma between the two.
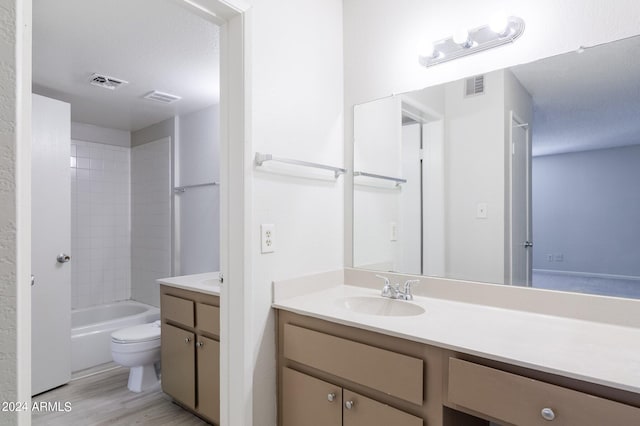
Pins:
x: 548, y: 414
x: 331, y: 397
x: 349, y: 405
x: 199, y: 344
x: 187, y: 340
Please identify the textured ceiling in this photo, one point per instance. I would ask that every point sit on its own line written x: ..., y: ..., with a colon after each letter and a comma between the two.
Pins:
x: 152, y: 44
x: 585, y: 101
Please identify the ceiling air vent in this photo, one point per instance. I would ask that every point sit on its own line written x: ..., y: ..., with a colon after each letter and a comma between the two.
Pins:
x: 474, y: 86
x: 106, y: 82
x: 165, y: 98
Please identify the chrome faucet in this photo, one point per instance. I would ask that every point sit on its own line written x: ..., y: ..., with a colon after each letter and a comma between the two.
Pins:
x: 406, y: 294
x: 388, y: 290
x: 393, y: 291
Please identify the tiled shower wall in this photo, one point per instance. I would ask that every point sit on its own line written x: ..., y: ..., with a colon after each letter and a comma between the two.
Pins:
x: 100, y: 224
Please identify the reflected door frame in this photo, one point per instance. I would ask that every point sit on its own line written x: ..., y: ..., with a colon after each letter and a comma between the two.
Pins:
x: 520, y: 232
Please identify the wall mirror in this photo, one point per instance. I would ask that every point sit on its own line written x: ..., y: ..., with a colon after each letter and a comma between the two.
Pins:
x: 525, y: 176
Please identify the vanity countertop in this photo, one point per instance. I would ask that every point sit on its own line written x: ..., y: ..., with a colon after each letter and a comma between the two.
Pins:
x: 605, y: 354
x: 207, y: 282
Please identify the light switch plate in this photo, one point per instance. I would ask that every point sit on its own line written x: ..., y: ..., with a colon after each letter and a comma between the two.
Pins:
x: 267, y: 238
x: 393, y: 228
x: 481, y: 211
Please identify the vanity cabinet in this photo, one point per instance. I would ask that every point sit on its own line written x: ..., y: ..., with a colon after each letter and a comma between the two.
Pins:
x: 332, y: 374
x: 310, y: 401
x: 190, y: 350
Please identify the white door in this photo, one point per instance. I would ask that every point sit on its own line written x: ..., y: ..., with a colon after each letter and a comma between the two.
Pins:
x: 50, y: 236
x: 521, y: 244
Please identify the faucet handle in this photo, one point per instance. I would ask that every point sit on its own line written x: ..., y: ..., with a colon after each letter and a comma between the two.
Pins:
x: 386, y: 280
x: 388, y: 290
x: 409, y: 283
x: 407, y: 288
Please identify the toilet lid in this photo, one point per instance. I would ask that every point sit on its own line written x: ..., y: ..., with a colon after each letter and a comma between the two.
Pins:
x: 138, y: 333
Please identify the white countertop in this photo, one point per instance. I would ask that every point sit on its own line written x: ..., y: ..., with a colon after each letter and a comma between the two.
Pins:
x: 207, y: 282
x: 595, y: 352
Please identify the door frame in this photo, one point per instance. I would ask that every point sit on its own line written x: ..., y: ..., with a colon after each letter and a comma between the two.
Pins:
x: 515, y: 119
x: 236, y: 381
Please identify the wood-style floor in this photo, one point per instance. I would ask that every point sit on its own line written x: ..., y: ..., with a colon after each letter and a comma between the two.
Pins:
x: 103, y: 399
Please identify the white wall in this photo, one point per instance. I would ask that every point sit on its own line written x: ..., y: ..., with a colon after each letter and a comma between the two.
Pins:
x: 382, y: 39
x: 378, y: 150
x: 15, y: 234
x: 296, y: 88
x: 151, y: 194
x: 100, y: 224
x: 591, y: 190
x: 198, y: 161
x: 98, y: 134
x: 163, y: 129
x: 475, y: 173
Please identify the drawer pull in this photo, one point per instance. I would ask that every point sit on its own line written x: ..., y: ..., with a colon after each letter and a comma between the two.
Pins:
x: 548, y: 414
x: 349, y: 405
x: 187, y: 340
x: 331, y: 397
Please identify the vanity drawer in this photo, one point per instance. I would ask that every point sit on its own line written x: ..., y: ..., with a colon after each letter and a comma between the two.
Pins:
x: 519, y: 400
x: 177, y: 310
x: 395, y: 374
x: 208, y: 318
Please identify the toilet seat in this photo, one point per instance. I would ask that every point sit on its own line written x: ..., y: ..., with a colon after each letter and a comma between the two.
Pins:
x: 137, y: 334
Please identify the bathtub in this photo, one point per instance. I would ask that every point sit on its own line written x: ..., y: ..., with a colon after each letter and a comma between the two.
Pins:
x: 91, y: 330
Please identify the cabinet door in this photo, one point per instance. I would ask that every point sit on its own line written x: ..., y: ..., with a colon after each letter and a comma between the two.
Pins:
x: 178, y: 364
x: 362, y: 411
x: 307, y: 401
x: 208, y: 356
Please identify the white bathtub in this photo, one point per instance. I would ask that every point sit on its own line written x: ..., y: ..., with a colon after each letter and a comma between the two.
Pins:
x: 91, y: 330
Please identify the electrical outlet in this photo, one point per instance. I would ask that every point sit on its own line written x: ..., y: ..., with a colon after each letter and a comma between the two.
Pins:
x: 549, y: 258
x: 558, y: 257
x: 268, y: 238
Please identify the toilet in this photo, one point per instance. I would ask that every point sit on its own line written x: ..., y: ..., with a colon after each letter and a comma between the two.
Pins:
x: 138, y: 348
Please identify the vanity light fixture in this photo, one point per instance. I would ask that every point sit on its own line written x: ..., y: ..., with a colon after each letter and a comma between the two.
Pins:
x: 463, y: 42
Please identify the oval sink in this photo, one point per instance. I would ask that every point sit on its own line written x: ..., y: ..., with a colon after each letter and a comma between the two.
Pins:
x: 380, y: 306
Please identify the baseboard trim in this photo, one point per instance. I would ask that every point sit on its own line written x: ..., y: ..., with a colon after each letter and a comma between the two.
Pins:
x: 589, y: 274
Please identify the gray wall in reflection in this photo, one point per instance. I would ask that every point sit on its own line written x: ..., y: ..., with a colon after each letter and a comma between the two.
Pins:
x: 586, y: 211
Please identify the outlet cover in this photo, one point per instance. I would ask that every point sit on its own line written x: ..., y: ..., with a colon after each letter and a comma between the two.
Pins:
x: 481, y: 211
x: 267, y: 238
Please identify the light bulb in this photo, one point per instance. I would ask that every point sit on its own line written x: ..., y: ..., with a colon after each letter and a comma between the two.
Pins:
x: 499, y: 24
x: 426, y: 50
x: 461, y: 37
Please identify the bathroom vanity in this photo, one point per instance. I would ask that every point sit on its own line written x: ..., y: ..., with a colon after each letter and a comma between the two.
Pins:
x: 190, y: 348
x: 454, y: 364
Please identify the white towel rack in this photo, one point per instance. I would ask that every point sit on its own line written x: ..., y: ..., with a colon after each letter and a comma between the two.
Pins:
x: 261, y: 158
x: 180, y: 189
x: 398, y: 181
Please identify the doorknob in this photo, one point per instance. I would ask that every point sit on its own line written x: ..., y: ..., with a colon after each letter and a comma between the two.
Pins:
x: 528, y: 244
x: 63, y: 258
